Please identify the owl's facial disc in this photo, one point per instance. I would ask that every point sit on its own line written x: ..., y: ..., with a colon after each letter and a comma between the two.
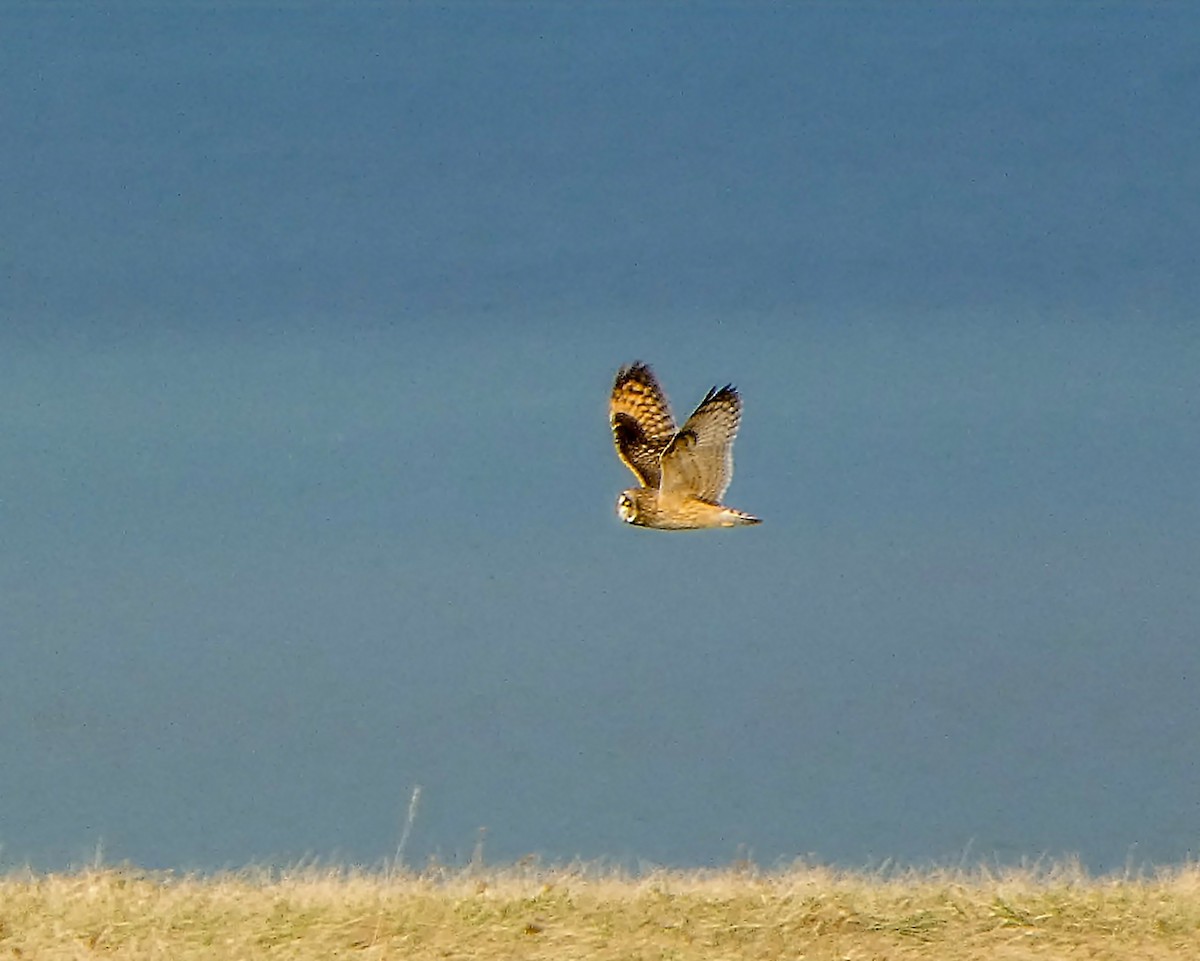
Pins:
x: 626, y: 509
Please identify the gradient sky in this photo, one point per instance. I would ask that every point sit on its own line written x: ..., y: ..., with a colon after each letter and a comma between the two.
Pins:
x: 309, y: 318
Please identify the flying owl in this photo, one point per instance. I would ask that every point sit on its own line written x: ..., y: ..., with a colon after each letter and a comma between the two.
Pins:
x: 683, y: 472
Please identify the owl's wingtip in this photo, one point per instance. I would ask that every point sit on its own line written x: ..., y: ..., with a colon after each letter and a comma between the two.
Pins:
x: 629, y: 370
x: 728, y: 392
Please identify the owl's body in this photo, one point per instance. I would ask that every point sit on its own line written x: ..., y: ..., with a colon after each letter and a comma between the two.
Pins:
x: 683, y: 472
x: 644, y: 507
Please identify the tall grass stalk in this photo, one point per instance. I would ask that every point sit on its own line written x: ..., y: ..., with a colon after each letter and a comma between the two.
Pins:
x: 398, y: 861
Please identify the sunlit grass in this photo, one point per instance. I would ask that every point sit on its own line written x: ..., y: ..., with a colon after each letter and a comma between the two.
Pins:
x: 591, y: 911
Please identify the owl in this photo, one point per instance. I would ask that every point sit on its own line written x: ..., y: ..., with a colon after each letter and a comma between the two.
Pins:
x: 683, y: 472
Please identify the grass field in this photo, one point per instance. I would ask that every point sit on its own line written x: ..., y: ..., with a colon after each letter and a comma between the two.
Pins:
x: 587, y: 911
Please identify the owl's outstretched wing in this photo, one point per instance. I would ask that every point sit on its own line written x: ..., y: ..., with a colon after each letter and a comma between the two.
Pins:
x: 641, y: 421
x: 699, y: 459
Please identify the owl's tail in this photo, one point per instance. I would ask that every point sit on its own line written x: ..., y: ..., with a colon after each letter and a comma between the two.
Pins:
x: 735, y: 518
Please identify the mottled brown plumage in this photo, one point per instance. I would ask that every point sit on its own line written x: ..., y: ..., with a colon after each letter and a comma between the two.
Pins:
x: 684, y: 472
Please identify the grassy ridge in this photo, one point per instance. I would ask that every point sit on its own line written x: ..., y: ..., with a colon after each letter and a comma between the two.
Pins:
x: 574, y: 912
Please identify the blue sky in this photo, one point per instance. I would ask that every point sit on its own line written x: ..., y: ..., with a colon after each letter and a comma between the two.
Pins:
x: 310, y: 315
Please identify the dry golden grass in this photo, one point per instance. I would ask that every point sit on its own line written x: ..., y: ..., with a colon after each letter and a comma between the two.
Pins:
x: 582, y: 911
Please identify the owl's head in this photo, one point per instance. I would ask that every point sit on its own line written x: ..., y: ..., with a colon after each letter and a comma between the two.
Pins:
x: 627, y: 507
